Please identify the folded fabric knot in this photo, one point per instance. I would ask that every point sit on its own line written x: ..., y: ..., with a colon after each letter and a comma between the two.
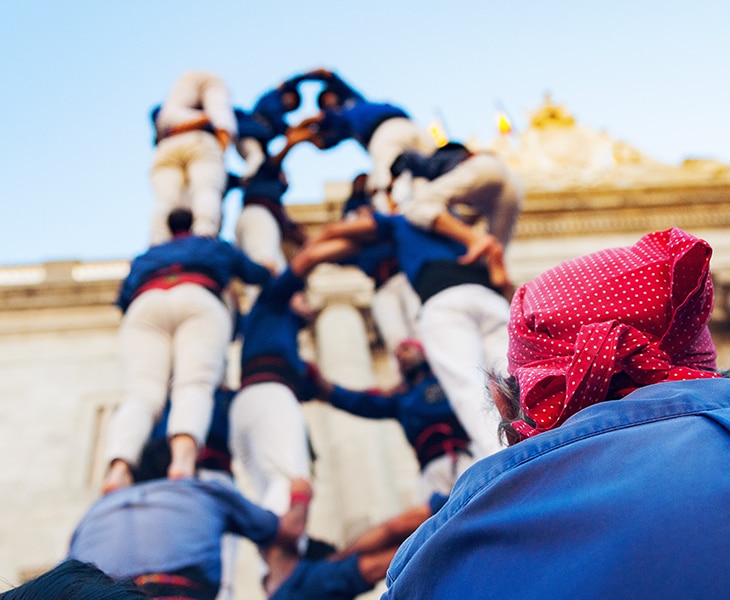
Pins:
x: 600, y: 326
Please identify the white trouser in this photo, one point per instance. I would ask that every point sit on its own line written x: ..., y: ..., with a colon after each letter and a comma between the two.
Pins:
x: 440, y: 474
x: 198, y: 93
x: 390, y: 139
x: 258, y: 234
x: 268, y: 434
x: 188, y: 172
x: 182, y: 332
x: 464, y: 332
x: 395, y: 307
x: 253, y: 153
x: 482, y: 182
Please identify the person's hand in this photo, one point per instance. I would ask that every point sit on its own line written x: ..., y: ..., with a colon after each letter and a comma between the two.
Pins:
x: 487, y: 248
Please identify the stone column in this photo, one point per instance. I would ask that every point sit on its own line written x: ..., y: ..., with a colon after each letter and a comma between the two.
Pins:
x: 355, y: 474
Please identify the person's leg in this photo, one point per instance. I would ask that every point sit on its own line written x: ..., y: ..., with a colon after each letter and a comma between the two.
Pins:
x: 388, y: 312
x: 183, y: 100
x: 217, y: 103
x: 450, y: 331
x: 206, y: 182
x: 145, y: 340
x: 200, y: 341
x: 460, y: 184
x: 269, y: 436
x: 168, y: 184
x: 259, y: 236
x: 390, y: 139
x: 503, y: 219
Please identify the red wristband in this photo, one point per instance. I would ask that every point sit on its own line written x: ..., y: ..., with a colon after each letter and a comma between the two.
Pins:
x: 300, y: 498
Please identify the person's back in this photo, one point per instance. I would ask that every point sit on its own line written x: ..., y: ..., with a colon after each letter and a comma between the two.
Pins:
x: 165, y: 525
x: 616, y: 485
x: 627, y: 499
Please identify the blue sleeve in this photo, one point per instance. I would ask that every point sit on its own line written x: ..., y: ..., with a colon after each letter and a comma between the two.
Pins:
x: 250, y: 520
x: 436, y: 501
x: 343, y: 90
x: 365, y: 404
x: 281, y: 289
x: 246, y: 269
x: 129, y: 286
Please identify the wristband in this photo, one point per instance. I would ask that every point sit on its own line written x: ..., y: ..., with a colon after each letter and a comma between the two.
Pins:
x: 300, y: 498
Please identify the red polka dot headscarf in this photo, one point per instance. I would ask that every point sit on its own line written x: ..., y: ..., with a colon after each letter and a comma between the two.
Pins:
x: 598, y: 327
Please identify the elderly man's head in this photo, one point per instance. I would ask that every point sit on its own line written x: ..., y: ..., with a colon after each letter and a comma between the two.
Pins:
x: 600, y: 326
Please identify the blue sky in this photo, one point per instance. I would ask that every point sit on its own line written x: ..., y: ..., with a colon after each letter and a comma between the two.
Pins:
x: 80, y: 77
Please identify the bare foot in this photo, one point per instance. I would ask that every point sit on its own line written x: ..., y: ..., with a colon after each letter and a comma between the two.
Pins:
x: 184, y: 452
x: 117, y: 477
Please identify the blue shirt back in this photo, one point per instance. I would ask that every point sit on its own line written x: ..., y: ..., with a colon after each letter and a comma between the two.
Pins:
x: 218, y: 259
x: 627, y: 499
x: 165, y: 525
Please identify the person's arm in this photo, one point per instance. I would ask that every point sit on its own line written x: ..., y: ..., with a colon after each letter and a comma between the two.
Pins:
x: 366, y: 403
x: 293, y: 523
x: 330, y: 250
x: 248, y: 270
x: 478, y: 246
x: 344, y: 90
x: 388, y: 534
x: 295, y: 135
x: 363, y: 228
x: 259, y: 525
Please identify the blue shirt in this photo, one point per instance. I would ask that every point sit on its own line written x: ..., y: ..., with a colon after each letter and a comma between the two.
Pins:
x: 377, y: 261
x: 358, y: 121
x: 218, y: 259
x: 268, y: 182
x: 248, y: 126
x: 627, y: 499
x: 347, y: 94
x: 269, y: 110
x: 419, y: 411
x: 415, y: 246
x: 165, y: 525
x: 324, y: 580
x: 271, y: 327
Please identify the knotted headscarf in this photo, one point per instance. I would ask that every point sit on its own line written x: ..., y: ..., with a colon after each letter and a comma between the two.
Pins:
x: 600, y: 326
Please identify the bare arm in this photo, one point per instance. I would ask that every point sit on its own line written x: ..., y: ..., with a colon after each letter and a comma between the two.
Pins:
x: 478, y: 246
x: 329, y: 250
x: 389, y: 534
x: 362, y: 228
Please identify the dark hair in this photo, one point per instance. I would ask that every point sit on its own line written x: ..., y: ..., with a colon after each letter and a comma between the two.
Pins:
x: 505, y: 392
x: 180, y: 220
x: 74, y: 580
x: 323, y: 94
x: 508, y: 390
x: 291, y: 89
